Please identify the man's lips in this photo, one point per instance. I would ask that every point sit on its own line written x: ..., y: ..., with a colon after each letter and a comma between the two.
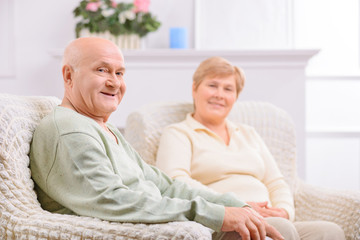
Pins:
x: 109, y: 94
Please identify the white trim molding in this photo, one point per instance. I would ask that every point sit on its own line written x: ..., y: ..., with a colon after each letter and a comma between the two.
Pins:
x: 245, y: 58
x: 190, y: 58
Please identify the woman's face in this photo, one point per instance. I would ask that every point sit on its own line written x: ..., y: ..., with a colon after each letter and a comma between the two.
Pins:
x: 214, y: 99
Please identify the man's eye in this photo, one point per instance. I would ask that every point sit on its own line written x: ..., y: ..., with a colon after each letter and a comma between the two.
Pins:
x: 120, y: 73
x: 101, y: 70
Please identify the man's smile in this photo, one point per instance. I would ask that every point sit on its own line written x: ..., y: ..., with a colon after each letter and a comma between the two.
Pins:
x: 109, y: 94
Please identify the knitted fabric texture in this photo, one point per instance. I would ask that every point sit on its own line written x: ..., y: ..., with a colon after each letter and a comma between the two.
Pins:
x: 21, y: 216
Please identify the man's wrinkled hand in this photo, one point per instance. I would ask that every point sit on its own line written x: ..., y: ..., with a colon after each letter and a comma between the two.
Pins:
x: 248, y: 223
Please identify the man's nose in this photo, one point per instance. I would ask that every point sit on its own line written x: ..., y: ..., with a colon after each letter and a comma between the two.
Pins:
x: 114, y: 81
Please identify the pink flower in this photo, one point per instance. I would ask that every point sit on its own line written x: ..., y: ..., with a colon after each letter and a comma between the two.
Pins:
x: 93, y: 6
x: 141, y: 5
x: 113, y: 4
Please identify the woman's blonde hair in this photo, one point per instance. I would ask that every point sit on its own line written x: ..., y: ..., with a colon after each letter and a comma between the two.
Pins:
x: 218, y: 67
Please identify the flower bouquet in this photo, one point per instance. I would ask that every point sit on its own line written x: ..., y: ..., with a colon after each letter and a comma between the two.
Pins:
x: 123, y: 23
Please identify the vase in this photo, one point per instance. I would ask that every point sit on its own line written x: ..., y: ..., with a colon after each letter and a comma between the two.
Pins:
x: 124, y: 41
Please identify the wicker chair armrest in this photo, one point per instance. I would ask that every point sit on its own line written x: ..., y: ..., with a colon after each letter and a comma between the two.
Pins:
x: 45, y: 225
x: 339, y: 206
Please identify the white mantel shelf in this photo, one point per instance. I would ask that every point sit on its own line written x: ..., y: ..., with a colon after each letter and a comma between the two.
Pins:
x: 190, y: 58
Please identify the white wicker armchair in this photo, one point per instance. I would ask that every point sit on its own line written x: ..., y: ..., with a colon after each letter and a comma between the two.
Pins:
x: 143, y: 130
x: 21, y: 216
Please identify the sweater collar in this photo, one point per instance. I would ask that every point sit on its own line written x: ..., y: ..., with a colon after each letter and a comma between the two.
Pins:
x: 196, y: 125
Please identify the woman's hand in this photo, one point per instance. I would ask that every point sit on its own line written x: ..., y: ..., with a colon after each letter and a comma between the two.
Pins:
x: 266, y: 211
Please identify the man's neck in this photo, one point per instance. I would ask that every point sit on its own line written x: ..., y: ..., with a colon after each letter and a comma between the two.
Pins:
x: 100, y: 120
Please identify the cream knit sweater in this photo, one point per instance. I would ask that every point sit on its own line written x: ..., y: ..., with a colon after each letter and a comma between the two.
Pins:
x: 191, y: 152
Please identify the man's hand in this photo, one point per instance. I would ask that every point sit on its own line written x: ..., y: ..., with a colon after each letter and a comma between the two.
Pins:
x: 264, y: 210
x: 248, y: 223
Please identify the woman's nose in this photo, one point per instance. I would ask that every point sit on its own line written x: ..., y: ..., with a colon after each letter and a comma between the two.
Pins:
x: 219, y: 93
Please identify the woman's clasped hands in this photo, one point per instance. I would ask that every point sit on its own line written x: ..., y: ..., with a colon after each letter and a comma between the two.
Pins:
x: 265, y: 210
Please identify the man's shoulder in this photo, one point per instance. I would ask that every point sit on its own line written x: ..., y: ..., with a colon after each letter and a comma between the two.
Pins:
x: 65, y: 121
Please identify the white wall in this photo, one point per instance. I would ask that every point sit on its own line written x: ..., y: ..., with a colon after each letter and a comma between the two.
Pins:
x: 36, y: 29
x: 332, y: 90
x: 33, y: 29
x: 246, y: 24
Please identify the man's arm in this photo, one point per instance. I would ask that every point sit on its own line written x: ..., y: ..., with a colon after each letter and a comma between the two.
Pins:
x: 84, y: 180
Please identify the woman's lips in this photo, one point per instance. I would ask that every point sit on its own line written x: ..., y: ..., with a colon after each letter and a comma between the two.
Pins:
x: 217, y: 104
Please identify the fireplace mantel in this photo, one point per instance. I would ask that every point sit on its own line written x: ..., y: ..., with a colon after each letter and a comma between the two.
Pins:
x: 189, y: 58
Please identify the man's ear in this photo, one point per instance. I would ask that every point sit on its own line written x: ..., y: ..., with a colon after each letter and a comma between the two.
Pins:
x: 68, y: 74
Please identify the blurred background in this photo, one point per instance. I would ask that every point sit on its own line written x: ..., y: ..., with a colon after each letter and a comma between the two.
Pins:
x: 313, y: 42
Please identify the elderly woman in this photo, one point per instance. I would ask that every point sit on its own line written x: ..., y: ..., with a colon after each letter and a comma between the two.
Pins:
x: 207, y: 150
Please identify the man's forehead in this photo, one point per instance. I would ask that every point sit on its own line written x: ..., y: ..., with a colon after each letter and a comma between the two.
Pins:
x: 98, y: 49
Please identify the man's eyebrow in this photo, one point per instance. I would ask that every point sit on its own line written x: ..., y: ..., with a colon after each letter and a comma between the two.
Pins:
x: 122, y: 69
x: 106, y: 64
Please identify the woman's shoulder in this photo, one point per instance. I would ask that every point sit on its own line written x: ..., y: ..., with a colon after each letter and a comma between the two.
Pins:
x: 178, y: 126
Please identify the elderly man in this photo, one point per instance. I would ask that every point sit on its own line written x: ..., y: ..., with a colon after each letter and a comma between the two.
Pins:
x: 82, y: 165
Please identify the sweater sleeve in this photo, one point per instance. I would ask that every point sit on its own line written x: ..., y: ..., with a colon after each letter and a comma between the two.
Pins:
x: 84, y: 180
x: 279, y: 192
x: 174, y: 156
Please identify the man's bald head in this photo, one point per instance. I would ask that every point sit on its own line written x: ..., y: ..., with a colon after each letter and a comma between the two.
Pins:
x: 81, y: 48
x: 93, y: 70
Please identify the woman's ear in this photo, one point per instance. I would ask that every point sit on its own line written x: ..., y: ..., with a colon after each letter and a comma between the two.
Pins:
x: 193, y: 89
x: 67, y: 72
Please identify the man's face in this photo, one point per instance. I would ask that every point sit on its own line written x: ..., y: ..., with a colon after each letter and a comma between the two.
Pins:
x: 97, y: 83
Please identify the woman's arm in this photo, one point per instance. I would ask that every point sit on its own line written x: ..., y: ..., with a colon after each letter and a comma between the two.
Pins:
x: 279, y: 192
x: 174, y: 156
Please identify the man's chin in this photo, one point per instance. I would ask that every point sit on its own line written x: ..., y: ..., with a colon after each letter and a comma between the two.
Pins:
x: 108, y: 109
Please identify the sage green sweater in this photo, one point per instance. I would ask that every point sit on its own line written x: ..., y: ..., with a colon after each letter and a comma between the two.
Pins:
x: 79, y: 169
